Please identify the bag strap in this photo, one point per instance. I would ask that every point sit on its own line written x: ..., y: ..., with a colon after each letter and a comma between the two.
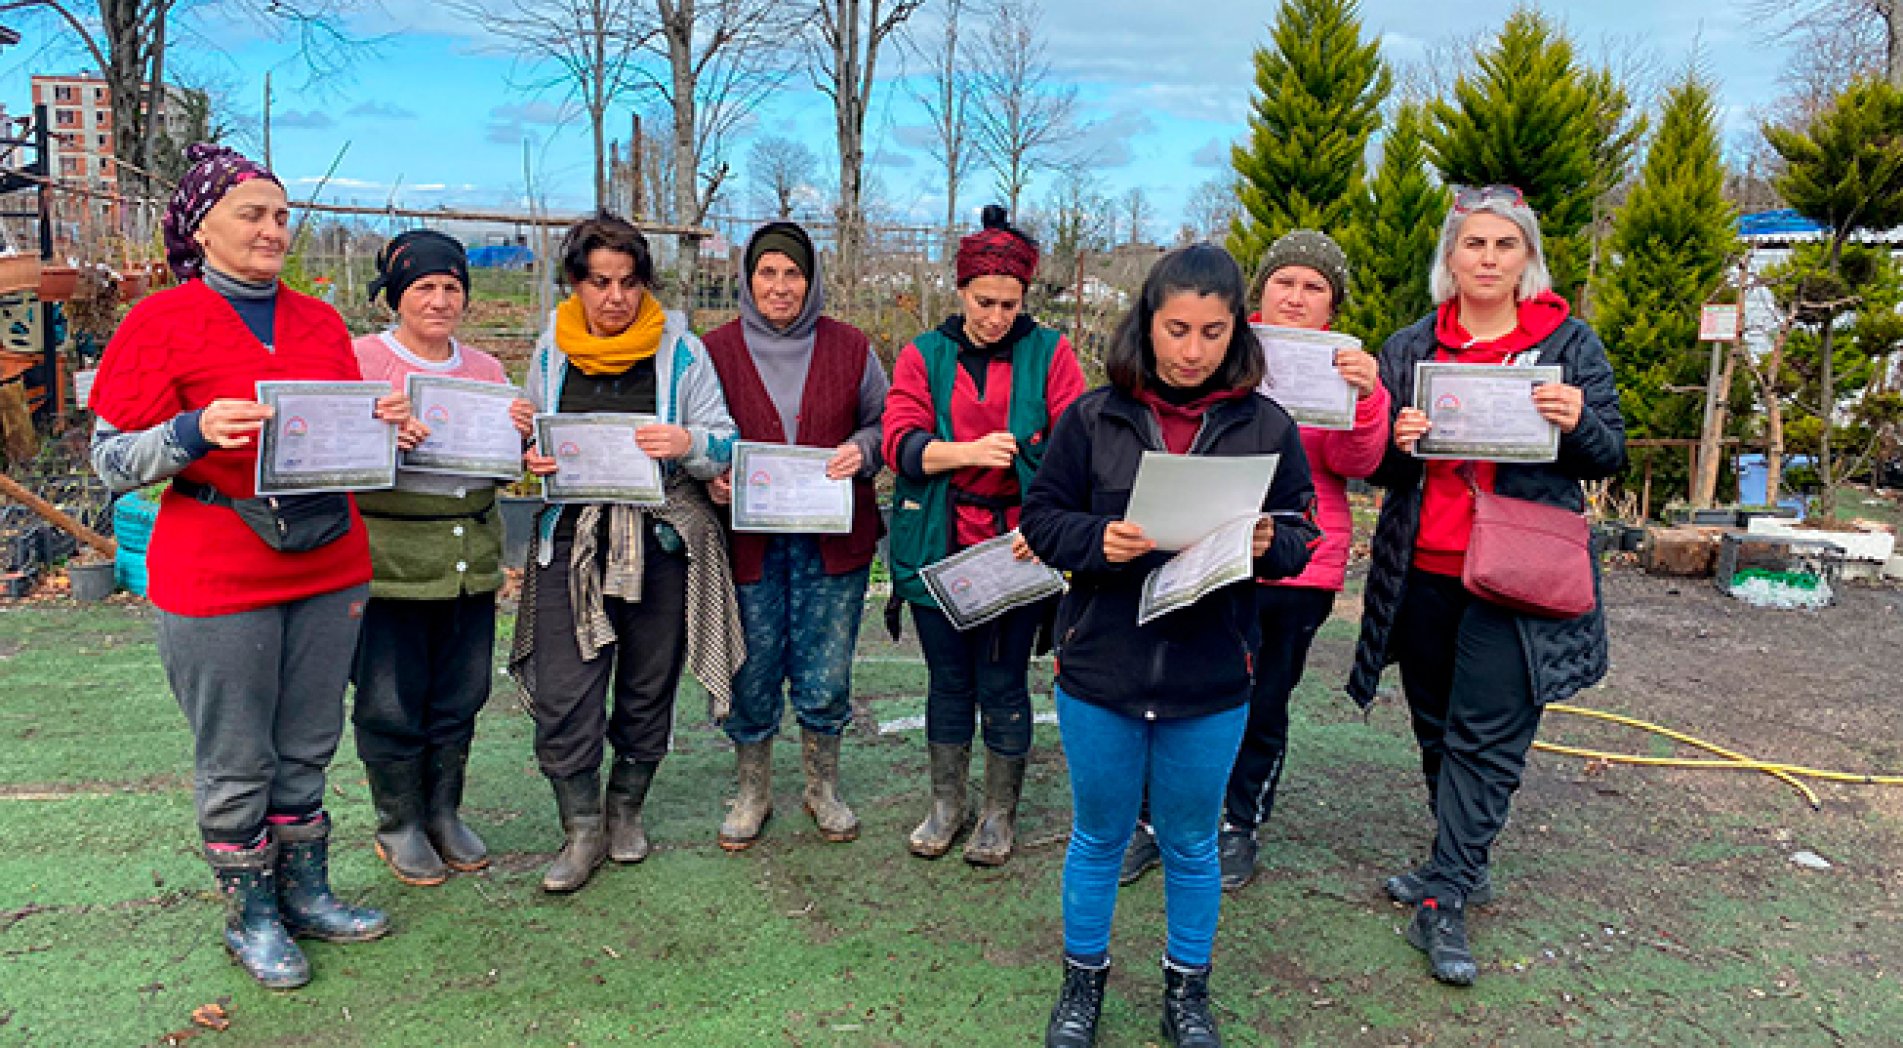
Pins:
x: 205, y: 493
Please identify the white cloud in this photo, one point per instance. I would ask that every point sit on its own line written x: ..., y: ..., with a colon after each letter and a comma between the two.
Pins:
x: 303, y: 120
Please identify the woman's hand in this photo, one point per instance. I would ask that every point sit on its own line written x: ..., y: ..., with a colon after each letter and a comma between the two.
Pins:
x: 848, y: 459
x: 539, y: 464
x: 1359, y: 369
x: 1410, y: 425
x: 991, y: 451
x: 1559, y: 404
x: 522, y: 413
x: 394, y: 408
x: 232, y: 423
x: 1020, y: 548
x: 1124, y: 541
x: 661, y: 441
x: 720, y: 489
x: 1264, y: 535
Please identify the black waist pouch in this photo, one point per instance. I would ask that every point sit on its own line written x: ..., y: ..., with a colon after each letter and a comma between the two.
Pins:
x: 286, y: 523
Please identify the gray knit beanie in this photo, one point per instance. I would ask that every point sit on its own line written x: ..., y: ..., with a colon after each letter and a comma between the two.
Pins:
x: 1305, y: 247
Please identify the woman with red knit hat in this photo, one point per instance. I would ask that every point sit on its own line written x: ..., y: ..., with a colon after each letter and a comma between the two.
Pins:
x: 972, y: 404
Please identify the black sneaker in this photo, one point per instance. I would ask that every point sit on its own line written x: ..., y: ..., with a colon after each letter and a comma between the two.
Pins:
x: 1140, y: 857
x: 1235, y: 852
x: 1440, y: 931
x: 1410, y: 888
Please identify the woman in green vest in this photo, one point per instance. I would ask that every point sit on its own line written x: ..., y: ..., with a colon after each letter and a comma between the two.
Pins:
x: 971, y: 406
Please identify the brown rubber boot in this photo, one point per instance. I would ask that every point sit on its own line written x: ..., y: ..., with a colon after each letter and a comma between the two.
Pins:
x: 819, y: 755
x: 753, y: 770
x: 951, y: 765
x: 995, y: 837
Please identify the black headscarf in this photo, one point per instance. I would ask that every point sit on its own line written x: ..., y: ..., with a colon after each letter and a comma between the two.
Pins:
x: 416, y: 254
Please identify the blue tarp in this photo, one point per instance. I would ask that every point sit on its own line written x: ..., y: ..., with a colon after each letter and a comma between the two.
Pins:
x: 1783, y: 222
x: 501, y: 256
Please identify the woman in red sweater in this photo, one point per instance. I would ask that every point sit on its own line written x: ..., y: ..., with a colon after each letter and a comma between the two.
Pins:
x: 256, y: 641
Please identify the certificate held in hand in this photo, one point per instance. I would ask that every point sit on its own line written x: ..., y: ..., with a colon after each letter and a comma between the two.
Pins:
x: 783, y: 488
x: 1301, y: 376
x: 597, y: 459
x: 1485, y: 412
x: 470, y: 431
x: 324, y: 436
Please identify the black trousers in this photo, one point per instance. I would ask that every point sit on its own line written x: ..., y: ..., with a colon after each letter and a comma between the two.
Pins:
x: 1290, y: 617
x: 571, y: 711
x: 982, y: 674
x: 423, y: 671
x: 1471, y: 698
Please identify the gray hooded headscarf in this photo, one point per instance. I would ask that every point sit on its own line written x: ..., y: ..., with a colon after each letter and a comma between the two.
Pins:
x: 782, y: 355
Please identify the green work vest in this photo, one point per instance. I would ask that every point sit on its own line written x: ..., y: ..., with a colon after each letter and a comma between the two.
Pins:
x: 922, y: 528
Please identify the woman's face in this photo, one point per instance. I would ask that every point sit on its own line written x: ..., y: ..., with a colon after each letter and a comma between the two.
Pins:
x: 610, y: 294
x: 247, y: 233
x: 1297, y: 297
x: 1190, y: 334
x: 431, y: 308
x: 1489, y: 256
x: 992, y: 304
x: 779, y: 288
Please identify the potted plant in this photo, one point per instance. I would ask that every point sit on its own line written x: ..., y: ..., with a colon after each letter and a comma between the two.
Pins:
x: 91, y: 576
x: 57, y: 283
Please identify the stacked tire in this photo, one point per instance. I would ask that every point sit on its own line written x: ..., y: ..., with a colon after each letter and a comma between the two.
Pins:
x: 132, y: 520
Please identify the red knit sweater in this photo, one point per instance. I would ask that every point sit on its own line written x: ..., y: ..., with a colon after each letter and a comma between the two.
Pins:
x: 177, y: 351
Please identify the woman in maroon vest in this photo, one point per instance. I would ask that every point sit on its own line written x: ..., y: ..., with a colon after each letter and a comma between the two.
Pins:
x: 792, y: 376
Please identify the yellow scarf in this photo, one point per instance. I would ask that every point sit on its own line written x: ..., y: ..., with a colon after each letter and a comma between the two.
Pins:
x: 596, y: 355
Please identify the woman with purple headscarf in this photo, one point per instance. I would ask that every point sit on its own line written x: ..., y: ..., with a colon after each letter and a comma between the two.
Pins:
x: 255, y: 633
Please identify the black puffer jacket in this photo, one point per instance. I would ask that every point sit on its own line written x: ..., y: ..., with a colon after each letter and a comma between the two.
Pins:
x: 1563, y: 655
x: 1196, y: 660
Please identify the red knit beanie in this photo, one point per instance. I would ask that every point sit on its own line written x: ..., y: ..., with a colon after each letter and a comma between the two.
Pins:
x: 998, y: 249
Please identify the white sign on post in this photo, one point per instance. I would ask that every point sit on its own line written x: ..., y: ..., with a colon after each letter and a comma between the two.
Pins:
x: 1720, y: 322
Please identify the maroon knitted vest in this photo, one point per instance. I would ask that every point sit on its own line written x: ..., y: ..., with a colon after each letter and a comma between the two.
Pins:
x: 829, y: 414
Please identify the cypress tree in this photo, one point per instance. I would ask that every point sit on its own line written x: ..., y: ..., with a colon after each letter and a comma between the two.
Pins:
x: 1318, y: 89
x: 1393, y: 247
x: 1535, y: 118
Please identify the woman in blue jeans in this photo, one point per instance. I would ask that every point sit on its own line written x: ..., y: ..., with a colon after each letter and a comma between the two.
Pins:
x: 1159, y: 706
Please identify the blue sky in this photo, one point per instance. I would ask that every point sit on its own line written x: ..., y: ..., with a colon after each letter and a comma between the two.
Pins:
x: 437, y: 114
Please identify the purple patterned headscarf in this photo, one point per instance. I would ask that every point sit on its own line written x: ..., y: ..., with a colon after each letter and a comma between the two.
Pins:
x: 215, y: 170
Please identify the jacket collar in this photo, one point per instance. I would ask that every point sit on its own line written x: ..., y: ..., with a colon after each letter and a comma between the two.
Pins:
x: 1220, y: 417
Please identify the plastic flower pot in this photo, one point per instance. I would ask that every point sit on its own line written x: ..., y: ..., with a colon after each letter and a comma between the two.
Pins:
x: 92, y: 581
x: 57, y: 283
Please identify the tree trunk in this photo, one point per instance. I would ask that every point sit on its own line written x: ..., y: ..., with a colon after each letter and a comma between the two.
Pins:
x: 849, y: 131
x: 1893, y: 26
x: 1774, y: 425
x: 1827, y: 382
x: 680, y: 58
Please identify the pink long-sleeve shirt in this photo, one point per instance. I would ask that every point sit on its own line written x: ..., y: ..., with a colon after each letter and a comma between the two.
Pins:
x: 1334, y: 455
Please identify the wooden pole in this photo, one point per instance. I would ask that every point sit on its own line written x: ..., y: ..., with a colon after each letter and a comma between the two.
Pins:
x: 1645, y: 492
x: 55, y: 516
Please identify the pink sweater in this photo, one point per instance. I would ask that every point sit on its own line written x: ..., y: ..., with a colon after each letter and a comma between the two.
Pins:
x: 1333, y: 457
x: 381, y: 357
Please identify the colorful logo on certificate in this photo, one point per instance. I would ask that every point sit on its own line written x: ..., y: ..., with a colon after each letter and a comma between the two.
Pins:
x: 760, y: 478
x: 437, y: 415
x: 960, y: 586
x: 1447, y: 402
x: 568, y: 450
x: 296, y: 427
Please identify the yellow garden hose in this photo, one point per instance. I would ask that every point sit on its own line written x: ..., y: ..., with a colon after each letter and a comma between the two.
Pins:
x: 1790, y: 774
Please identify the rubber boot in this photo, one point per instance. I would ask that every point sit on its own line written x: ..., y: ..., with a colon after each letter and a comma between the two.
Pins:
x: 627, y: 791
x: 585, y: 845
x: 255, y: 935
x: 304, y: 896
x: 1074, y: 1018
x: 1439, y: 929
x: 1188, y: 1021
x: 753, y: 771
x: 951, y: 766
x: 819, y: 756
x: 454, y: 840
x: 995, y: 836
x: 396, y: 790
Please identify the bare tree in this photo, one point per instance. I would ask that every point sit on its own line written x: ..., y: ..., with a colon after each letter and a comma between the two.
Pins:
x: 1212, y: 209
x: 846, y: 39
x: 582, y: 48
x: 1876, y: 27
x: 780, y: 168
x: 1137, y: 213
x: 1024, y: 121
x: 946, y: 100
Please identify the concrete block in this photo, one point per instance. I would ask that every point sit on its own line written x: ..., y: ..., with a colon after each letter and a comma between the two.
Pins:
x: 1875, y: 546
x: 1893, y: 568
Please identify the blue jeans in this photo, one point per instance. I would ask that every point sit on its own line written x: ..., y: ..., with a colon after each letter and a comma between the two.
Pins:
x: 1185, y: 765
x: 801, y: 626
x: 980, y: 673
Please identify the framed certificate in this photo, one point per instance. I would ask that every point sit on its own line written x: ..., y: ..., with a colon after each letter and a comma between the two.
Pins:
x: 1302, y: 377
x: 470, y: 432
x: 1222, y: 559
x: 324, y: 436
x: 980, y: 583
x: 1485, y: 411
x: 784, y: 488
x: 597, y: 459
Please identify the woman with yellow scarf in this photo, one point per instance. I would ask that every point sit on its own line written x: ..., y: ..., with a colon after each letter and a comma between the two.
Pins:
x: 620, y: 595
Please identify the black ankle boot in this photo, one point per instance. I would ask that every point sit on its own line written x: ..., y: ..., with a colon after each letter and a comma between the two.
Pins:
x: 1410, y: 888
x: 444, y: 770
x: 1187, y: 1019
x: 396, y: 790
x: 1140, y: 857
x: 255, y: 935
x: 304, y: 895
x: 1439, y: 929
x: 1074, y: 1020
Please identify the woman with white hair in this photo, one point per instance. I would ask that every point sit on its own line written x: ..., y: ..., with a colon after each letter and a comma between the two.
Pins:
x: 1477, y: 674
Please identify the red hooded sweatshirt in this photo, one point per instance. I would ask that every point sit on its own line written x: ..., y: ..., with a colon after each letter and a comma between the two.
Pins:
x: 1447, y: 507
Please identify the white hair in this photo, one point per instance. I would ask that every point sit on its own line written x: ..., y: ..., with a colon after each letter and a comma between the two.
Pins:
x: 1535, y: 279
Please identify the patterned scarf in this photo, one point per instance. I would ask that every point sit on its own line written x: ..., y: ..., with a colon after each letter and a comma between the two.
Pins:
x: 613, y: 354
x: 215, y: 170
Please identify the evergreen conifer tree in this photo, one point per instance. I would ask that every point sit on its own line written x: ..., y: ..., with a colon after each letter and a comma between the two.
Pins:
x: 1319, y: 89
x: 1393, y: 246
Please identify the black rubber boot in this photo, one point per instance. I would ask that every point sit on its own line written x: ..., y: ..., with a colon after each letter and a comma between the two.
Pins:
x: 585, y: 845
x: 1439, y: 929
x: 304, y: 895
x: 627, y: 792
x: 1188, y: 1021
x: 396, y: 790
x: 255, y: 935
x: 1235, y: 855
x: 995, y: 836
x: 454, y: 840
x: 951, y: 766
x: 1074, y: 1019
x: 1411, y: 888
x: 1141, y: 856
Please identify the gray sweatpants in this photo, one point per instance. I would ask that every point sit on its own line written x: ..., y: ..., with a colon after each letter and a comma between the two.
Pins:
x: 264, y: 693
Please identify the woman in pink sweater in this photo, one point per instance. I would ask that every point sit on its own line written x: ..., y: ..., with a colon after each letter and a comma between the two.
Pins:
x: 1300, y: 284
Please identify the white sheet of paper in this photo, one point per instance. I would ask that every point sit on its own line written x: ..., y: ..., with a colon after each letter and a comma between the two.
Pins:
x: 784, y: 488
x: 83, y: 387
x: 471, y: 433
x: 1485, y: 411
x: 981, y: 582
x: 324, y: 436
x: 597, y: 459
x: 1222, y: 559
x: 1302, y: 377
x: 1180, y: 499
